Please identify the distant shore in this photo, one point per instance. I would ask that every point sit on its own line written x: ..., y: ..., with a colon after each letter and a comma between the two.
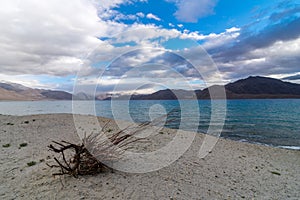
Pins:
x: 233, y: 170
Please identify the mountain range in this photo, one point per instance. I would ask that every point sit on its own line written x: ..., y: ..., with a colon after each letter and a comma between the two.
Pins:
x: 253, y: 87
x: 17, y: 92
x: 250, y: 88
x: 256, y: 88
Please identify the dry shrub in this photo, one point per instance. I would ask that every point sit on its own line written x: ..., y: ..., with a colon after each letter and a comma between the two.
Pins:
x: 89, y: 158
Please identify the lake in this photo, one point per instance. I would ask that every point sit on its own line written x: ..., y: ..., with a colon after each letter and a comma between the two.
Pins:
x: 274, y: 122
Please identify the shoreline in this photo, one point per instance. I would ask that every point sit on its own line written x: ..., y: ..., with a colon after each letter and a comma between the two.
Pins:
x: 232, y: 170
x: 288, y: 147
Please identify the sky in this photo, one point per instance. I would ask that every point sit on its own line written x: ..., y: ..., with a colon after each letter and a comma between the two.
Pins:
x: 141, y: 46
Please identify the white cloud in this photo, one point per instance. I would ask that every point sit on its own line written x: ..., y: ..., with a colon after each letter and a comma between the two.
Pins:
x: 26, y: 80
x: 105, y: 5
x: 121, y: 16
x: 192, y: 10
x: 140, y: 14
x: 54, y: 37
x: 278, y: 60
x: 142, y: 34
x: 233, y: 29
x: 213, y: 39
x: 116, y: 85
x: 47, y: 38
x: 152, y: 16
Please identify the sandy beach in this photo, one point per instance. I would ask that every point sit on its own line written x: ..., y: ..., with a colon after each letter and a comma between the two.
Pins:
x: 233, y: 170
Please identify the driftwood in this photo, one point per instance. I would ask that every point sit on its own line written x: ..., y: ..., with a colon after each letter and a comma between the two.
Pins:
x: 90, y: 157
x: 81, y: 163
x: 96, y: 150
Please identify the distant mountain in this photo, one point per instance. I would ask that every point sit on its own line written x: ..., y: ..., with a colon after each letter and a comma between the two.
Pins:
x: 166, y: 95
x: 159, y: 95
x: 57, y: 95
x: 256, y: 88
x: 83, y: 96
x: 13, y: 87
x: 250, y: 88
x: 262, y: 85
x: 17, y: 92
x: 10, y: 95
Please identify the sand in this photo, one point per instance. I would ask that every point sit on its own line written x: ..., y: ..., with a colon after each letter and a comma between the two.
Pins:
x: 233, y: 170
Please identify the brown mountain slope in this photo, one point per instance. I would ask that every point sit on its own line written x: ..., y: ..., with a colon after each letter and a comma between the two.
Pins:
x: 11, y: 95
x: 17, y: 92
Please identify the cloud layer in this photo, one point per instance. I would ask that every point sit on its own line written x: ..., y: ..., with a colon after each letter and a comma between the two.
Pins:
x: 57, y: 37
x: 193, y: 10
x: 46, y: 38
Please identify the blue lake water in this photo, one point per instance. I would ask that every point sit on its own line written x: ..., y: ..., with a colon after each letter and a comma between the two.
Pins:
x: 274, y: 122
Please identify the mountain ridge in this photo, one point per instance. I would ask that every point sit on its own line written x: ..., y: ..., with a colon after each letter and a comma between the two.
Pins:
x: 18, y: 92
x: 253, y: 87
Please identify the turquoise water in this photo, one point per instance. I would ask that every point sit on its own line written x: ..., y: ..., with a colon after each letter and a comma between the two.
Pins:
x: 273, y: 122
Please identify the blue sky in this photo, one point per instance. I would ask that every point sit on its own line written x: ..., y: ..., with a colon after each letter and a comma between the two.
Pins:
x: 226, y: 14
x: 186, y: 44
